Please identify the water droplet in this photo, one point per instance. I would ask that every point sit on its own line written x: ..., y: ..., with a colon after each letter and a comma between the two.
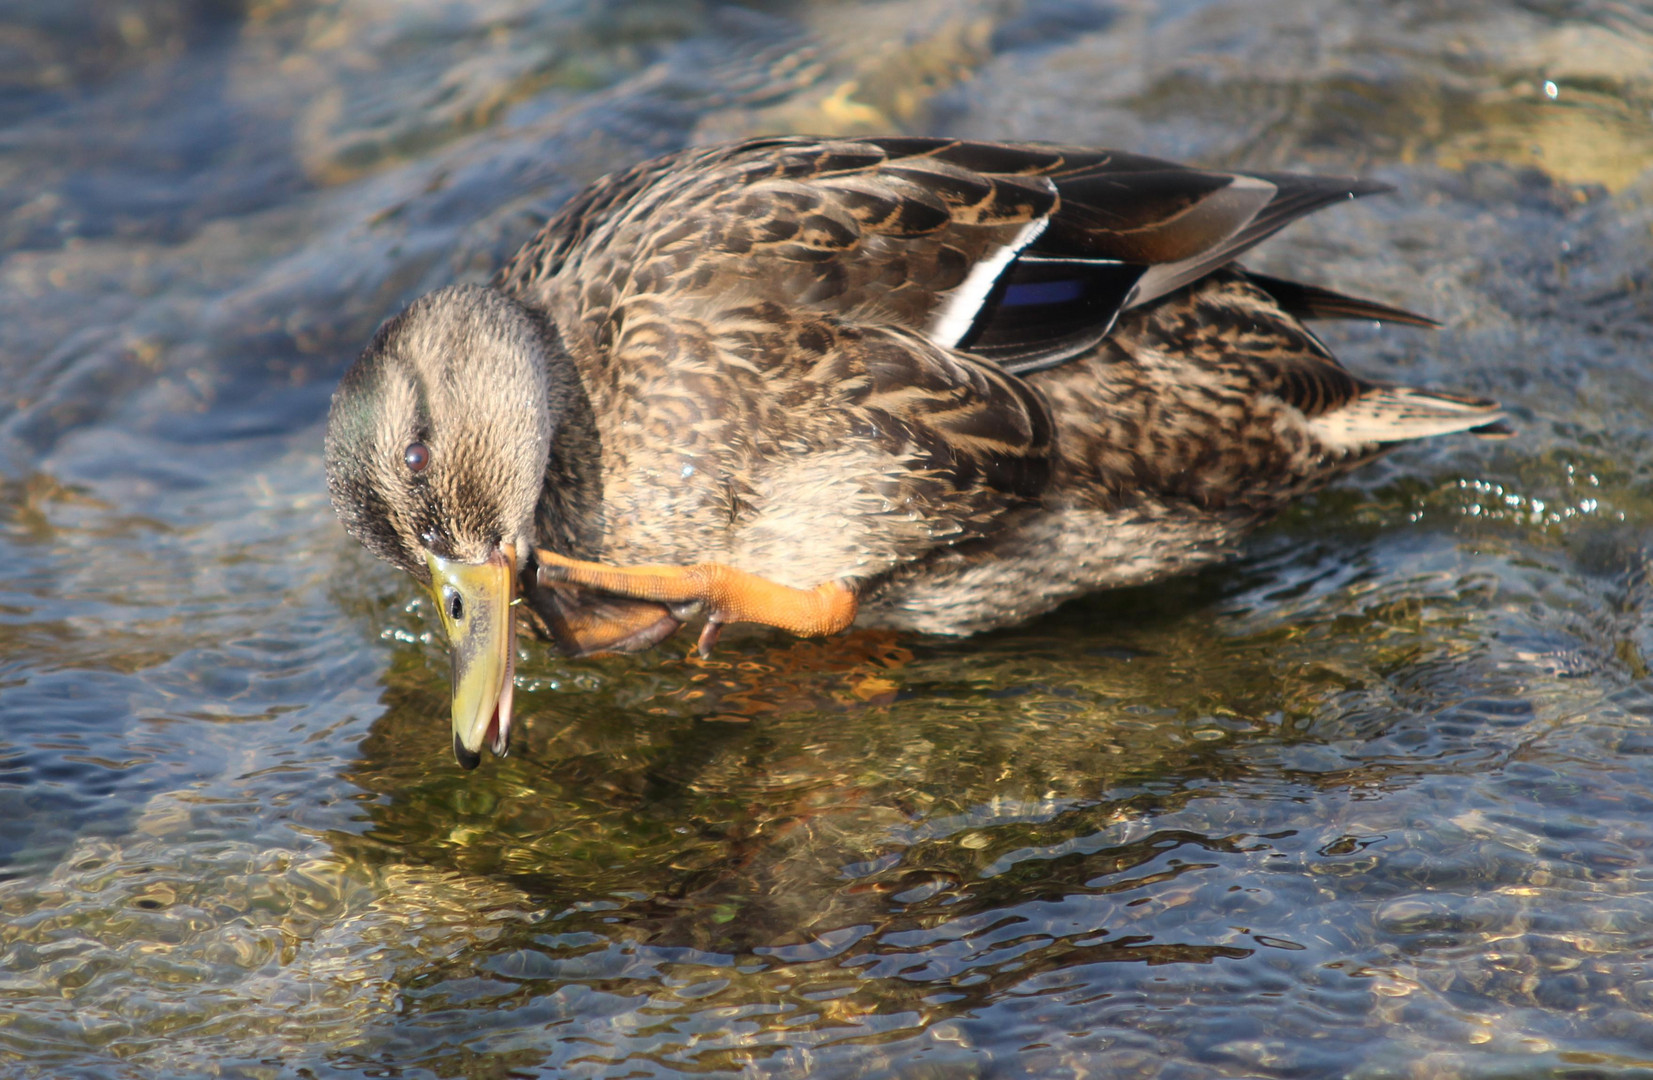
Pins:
x: 1551, y: 90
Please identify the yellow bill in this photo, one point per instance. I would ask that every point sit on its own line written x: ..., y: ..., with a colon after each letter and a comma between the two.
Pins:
x: 475, y: 602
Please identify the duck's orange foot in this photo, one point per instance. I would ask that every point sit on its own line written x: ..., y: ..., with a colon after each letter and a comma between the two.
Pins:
x: 723, y: 592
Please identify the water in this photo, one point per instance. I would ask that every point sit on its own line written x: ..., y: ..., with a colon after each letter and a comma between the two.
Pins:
x: 1374, y: 801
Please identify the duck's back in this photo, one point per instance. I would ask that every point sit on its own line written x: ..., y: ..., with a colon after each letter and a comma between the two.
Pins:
x: 1021, y: 253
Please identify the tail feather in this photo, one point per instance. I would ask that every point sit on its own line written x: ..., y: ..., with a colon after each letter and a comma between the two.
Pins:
x: 1392, y: 414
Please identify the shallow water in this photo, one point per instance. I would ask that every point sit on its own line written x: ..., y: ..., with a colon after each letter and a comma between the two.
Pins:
x: 1372, y: 802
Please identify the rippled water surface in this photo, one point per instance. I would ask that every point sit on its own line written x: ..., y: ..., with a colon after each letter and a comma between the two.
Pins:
x: 1375, y: 801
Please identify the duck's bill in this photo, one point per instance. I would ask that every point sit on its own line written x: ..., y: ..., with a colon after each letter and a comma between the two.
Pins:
x: 475, y: 602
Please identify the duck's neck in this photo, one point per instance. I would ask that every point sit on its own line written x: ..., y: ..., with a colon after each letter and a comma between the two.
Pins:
x: 569, y: 517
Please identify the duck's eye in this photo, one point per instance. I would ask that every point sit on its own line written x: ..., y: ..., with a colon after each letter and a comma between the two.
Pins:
x: 417, y: 456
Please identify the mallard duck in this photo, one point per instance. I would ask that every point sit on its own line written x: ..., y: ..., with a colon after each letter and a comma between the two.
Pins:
x: 918, y: 383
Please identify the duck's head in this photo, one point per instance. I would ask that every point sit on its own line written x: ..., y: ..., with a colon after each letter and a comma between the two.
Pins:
x: 436, y: 454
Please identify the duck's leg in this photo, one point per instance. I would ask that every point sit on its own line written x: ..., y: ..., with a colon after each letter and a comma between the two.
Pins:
x: 727, y: 594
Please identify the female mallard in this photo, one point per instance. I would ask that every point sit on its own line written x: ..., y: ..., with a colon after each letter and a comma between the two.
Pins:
x: 916, y: 383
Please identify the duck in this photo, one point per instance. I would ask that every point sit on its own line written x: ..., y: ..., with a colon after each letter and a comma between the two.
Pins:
x: 935, y: 385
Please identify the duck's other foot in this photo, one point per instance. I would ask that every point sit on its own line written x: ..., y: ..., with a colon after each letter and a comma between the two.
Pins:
x: 581, y: 622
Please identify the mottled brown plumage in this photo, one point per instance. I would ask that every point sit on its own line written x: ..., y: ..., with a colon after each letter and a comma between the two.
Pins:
x: 942, y: 384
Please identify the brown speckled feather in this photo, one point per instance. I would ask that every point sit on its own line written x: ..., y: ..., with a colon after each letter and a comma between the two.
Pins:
x: 1193, y: 423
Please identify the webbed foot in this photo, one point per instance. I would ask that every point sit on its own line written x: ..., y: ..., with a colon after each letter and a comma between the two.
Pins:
x: 723, y: 592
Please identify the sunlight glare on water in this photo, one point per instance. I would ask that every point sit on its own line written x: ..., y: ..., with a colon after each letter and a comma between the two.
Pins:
x: 1367, y: 803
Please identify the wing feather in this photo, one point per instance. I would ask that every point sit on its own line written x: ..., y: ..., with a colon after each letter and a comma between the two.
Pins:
x: 966, y: 241
x: 1315, y: 302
